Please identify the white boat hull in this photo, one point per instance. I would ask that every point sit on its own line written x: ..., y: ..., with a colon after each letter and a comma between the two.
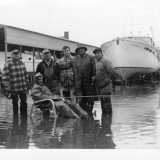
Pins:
x: 130, y: 57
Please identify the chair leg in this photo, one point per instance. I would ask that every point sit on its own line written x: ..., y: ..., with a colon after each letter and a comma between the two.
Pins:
x: 53, y: 110
x: 31, y: 110
x: 53, y: 107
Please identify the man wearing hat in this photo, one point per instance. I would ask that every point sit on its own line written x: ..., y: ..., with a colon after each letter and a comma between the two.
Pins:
x: 50, y: 70
x: 15, y: 81
x: 63, y: 107
x: 84, y: 71
x: 104, y: 74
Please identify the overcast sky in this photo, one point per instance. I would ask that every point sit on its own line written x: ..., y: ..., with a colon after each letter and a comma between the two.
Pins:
x: 92, y: 22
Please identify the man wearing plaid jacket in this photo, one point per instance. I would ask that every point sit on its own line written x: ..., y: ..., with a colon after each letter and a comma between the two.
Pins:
x: 15, y: 80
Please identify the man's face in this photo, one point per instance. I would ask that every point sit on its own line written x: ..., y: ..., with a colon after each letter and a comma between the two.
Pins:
x: 47, y: 55
x: 40, y: 81
x: 98, y: 55
x: 15, y: 55
x: 66, y: 52
x: 81, y: 51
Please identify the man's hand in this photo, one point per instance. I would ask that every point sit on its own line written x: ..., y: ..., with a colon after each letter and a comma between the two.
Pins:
x: 92, y: 83
x: 29, y: 85
x: 8, y: 89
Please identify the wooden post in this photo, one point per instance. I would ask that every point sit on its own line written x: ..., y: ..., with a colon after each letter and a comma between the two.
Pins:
x: 20, y: 51
x: 5, y: 35
x: 33, y: 61
x: 54, y: 55
x: 33, y: 74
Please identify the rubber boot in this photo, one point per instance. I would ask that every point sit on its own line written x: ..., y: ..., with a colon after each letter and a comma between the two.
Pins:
x: 90, y: 107
x: 46, y: 112
x: 15, y: 103
x: 106, y: 105
x: 23, y: 108
x: 15, y: 109
x: 23, y: 103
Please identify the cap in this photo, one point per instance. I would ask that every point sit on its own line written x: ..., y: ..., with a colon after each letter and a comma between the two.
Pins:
x: 38, y: 75
x: 80, y: 46
x: 45, y: 51
x: 15, y: 51
x: 97, y: 49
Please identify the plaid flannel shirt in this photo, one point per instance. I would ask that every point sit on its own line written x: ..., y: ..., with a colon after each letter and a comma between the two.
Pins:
x: 14, y: 75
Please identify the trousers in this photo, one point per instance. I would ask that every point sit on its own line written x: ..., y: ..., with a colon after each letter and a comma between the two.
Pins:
x: 106, y: 104
x: 23, y: 101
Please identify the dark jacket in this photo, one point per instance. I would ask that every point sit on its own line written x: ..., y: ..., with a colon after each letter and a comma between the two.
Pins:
x: 104, y: 72
x: 41, y: 69
x: 84, y: 71
x: 52, y: 80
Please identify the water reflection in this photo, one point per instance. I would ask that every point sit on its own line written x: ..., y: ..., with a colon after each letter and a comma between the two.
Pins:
x: 97, y: 134
x: 104, y: 137
x: 135, y: 123
x: 17, y: 134
x: 74, y: 133
x: 51, y: 133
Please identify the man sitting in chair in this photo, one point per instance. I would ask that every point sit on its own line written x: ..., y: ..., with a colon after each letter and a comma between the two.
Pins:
x: 63, y: 107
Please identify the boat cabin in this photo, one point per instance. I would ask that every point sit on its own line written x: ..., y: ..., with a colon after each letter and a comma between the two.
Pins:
x: 147, y: 40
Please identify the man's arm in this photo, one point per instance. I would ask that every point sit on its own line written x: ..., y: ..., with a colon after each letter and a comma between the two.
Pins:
x: 37, y: 94
x: 27, y: 78
x: 64, y: 66
x: 38, y: 69
x: 93, y: 70
x: 109, y: 67
x: 6, y: 77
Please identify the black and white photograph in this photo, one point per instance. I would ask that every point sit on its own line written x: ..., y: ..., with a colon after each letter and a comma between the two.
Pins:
x: 80, y: 79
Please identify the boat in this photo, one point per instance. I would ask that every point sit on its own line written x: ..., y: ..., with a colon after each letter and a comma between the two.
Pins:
x: 132, y: 55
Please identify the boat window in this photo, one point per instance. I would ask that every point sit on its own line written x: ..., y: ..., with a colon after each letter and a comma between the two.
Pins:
x: 29, y: 50
x: 153, y: 44
x: 127, y: 38
x: 38, y: 53
x: 11, y: 47
x: 143, y: 39
x: 158, y: 52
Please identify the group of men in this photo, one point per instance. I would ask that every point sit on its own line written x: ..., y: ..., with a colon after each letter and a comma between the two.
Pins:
x: 84, y: 77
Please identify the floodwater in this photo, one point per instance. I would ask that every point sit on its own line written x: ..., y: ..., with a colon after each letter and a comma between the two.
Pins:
x: 135, y: 124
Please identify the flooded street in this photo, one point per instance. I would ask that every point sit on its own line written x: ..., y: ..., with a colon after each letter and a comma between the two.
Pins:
x: 135, y: 124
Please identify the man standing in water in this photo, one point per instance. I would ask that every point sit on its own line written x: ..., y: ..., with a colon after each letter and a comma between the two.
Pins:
x: 66, y: 76
x: 50, y: 72
x: 84, y: 72
x: 104, y: 74
x: 15, y: 81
